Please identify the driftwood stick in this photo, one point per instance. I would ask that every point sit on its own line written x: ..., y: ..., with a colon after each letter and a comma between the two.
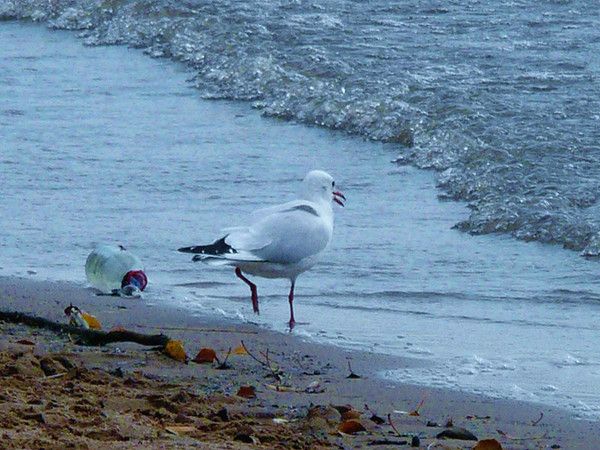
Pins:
x: 88, y: 337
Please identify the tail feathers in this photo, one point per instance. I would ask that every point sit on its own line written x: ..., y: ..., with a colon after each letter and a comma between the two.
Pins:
x: 228, y: 259
x: 219, y: 247
x: 213, y: 260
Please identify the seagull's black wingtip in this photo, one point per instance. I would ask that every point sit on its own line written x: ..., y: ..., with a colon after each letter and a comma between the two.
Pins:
x: 219, y: 247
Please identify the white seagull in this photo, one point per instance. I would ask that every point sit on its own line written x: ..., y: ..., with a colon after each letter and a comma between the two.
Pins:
x: 282, y: 241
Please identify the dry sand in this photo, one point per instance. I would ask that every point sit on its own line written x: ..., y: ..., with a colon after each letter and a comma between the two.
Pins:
x: 126, y: 395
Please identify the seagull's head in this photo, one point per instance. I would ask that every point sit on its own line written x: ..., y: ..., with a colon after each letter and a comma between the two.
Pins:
x: 319, y: 185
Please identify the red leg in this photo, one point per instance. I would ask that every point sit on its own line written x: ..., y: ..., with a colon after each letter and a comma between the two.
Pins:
x: 291, y: 300
x: 238, y: 272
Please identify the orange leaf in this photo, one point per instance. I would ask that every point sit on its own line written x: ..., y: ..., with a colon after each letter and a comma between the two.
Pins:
x: 175, y: 350
x: 416, y: 411
x: 239, y: 350
x: 351, y: 414
x: 117, y: 328
x: 347, y: 412
x: 488, y: 444
x: 205, y: 355
x: 92, y: 322
x: 351, y: 427
x: 246, y: 392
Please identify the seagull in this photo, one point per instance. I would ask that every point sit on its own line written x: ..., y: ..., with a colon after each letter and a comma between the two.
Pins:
x: 281, y: 241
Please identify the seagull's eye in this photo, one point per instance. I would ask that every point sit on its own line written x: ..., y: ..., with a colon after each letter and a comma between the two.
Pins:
x: 333, y: 184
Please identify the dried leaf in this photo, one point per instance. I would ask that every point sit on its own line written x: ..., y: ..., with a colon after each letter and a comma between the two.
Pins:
x: 205, y: 355
x: 179, y: 429
x: 375, y: 418
x: 25, y: 342
x: 352, y: 374
x: 514, y: 438
x: 488, y: 444
x: 457, y: 433
x: 117, y: 328
x: 351, y: 414
x: 351, y: 427
x: 239, y: 350
x: 175, y: 350
x: 246, y: 438
x: 92, y: 322
x: 342, y: 408
x: 247, y: 392
x: 421, y: 403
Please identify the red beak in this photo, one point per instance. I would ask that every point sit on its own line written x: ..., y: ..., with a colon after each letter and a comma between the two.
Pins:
x: 336, y: 197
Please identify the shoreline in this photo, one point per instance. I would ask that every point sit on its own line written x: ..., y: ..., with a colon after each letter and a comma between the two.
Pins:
x: 304, y: 362
x: 388, y: 278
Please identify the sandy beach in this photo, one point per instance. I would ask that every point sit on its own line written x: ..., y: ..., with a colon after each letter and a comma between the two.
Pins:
x: 57, y: 394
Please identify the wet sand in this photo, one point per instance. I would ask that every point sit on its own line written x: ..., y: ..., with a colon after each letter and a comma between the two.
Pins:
x: 126, y: 394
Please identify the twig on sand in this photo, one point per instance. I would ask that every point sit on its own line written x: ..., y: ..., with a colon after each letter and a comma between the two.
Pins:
x: 393, y: 426
x: 275, y: 373
x: 535, y: 422
x: 267, y: 363
x: 352, y: 374
x: 374, y: 417
x: 223, y: 365
x: 252, y: 356
x: 514, y: 438
x: 56, y: 375
x: 419, y: 406
x: 87, y: 336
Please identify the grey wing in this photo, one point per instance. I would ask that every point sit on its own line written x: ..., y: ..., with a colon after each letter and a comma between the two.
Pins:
x: 252, y: 237
x: 292, y: 234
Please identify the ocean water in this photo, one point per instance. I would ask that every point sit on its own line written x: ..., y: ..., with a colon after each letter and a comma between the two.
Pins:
x: 501, y: 96
x: 104, y: 144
